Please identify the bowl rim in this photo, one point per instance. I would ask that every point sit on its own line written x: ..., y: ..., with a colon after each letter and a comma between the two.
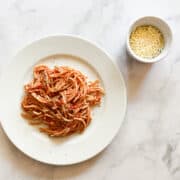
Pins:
x: 157, y: 58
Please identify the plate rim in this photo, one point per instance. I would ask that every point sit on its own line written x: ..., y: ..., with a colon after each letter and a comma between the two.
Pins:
x: 102, y: 50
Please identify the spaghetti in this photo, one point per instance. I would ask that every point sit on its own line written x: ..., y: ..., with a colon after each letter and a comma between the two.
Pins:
x: 59, y: 100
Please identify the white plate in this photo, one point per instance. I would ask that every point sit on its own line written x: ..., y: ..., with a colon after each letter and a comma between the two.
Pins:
x: 106, y: 119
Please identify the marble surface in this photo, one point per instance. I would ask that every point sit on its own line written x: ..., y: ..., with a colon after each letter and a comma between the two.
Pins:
x: 148, y: 143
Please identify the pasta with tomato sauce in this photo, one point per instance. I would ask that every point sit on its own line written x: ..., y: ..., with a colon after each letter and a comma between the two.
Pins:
x: 59, y: 100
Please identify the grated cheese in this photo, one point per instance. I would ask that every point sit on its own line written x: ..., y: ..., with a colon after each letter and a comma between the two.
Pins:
x: 147, y: 41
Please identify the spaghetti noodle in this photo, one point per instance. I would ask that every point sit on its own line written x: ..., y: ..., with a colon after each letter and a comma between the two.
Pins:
x: 59, y: 100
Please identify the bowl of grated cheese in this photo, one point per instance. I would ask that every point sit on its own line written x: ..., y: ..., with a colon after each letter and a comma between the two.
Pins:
x: 149, y: 39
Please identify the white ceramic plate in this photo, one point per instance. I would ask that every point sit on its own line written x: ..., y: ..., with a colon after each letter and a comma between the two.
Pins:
x: 106, y: 119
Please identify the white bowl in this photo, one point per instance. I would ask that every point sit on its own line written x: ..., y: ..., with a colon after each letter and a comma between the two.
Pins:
x: 106, y: 119
x: 162, y: 26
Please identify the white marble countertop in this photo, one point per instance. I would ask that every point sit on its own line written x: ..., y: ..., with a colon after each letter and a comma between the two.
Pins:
x: 148, y: 143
